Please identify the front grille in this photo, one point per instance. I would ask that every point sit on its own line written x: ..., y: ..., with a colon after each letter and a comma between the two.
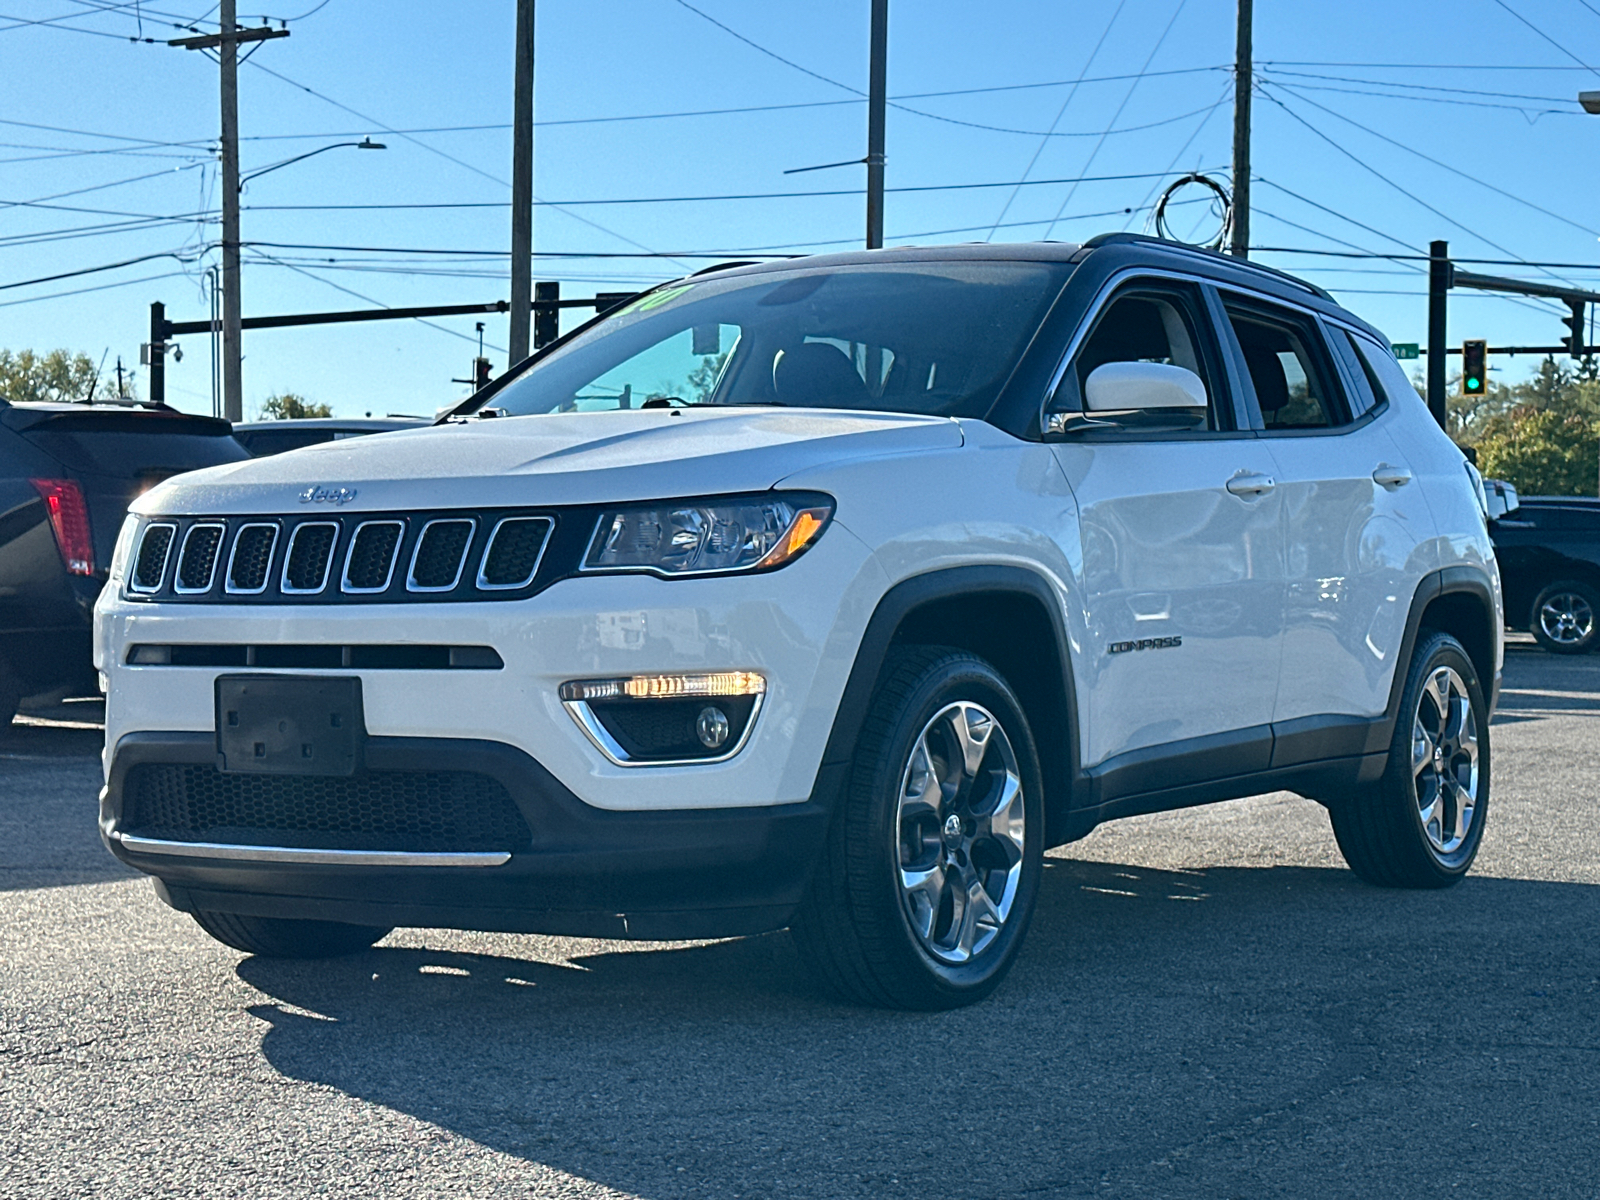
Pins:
x: 323, y: 558
x: 419, y: 811
x: 514, y: 550
x: 150, y: 567
x: 310, y: 554
x: 251, y: 558
x: 197, y: 563
x: 369, y: 565
x: 441, y: 551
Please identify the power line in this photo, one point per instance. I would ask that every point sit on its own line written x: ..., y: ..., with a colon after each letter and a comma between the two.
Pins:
x: 1442, y: 165
x: 1093, y: 154
x: 1423, y: 87
x: 102, y: 287
x: 38, y: 201
x: 127, y: 262
x: 1061, y: 112
x: 1558, y: 45
x: 1534, y: 113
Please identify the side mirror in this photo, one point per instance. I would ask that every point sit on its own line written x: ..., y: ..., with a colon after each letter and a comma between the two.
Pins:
x: 1130, y: 386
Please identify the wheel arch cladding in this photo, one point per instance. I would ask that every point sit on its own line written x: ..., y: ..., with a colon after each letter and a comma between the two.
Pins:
x: 1008, y: 616
x: 1465, y: 610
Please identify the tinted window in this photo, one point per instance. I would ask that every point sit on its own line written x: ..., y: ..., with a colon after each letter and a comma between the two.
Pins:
x: 1294, y: 388
x: 1368, y: 387
x: 1390, y: 375
x: 937, y: 337
x: 1147, y: 325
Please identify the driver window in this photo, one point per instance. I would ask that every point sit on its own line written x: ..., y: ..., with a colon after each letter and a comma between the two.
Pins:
x: 1144, y: 326
x: 681, y: 369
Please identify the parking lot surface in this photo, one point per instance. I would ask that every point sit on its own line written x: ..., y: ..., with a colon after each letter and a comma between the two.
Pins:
x: 1209, y: 1005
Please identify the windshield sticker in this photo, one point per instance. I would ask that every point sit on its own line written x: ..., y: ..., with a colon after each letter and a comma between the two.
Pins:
x: 655, y: 299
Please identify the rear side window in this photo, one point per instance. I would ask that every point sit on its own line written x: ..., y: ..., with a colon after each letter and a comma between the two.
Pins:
x: 1288, y: 368
x: 1368, y: 393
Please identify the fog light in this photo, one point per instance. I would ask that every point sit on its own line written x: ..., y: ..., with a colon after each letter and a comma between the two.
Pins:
x: 712, y: 727
x: 641, y: 720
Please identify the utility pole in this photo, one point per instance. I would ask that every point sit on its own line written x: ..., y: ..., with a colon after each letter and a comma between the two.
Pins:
x: 522, y: 187
x: 877, y: 101
x: 1243, y: 78
x: 1439, y: 284
x: 226, y: 43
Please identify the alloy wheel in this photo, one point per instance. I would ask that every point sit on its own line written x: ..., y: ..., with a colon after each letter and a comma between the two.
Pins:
x: 1566, y: 618
x: 962, y: 831
x: 1444, y: 761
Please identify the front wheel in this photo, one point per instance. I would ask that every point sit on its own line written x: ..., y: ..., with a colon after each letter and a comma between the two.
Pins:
x: 932, y: 863
x: 1420, y: 826
x: 1566, y: 617
x: 283, y: 937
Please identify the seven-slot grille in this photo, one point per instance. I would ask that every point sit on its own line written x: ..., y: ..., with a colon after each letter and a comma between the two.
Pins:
x: 343, y: 557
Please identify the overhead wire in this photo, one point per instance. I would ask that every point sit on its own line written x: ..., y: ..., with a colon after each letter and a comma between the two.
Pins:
x: 1061, y: 112
x: 1558, y: 45
x: 1111, y: 124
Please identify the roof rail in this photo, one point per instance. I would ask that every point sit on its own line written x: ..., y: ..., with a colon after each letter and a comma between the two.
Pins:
x: 726, y: 266
x: 1144, y: 239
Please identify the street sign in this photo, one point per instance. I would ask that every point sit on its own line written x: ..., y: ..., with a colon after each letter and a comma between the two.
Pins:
x: 1406, y: 350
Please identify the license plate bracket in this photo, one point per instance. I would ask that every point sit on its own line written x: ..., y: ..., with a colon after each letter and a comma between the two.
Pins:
x: 290, y: 724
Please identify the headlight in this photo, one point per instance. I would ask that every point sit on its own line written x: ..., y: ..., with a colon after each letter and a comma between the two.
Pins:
x: 701, y: 537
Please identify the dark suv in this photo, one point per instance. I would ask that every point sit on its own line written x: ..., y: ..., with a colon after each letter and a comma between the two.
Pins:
x: 67, y: 475
x: 1549, y: 553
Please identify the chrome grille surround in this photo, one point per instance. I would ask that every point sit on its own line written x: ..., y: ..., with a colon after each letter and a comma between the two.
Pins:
x: 291, y: 566
x: 210, y: 535
x: 509, y: 526
x: 263, y: 563
x: 165, y: 532
x: 358, y: 541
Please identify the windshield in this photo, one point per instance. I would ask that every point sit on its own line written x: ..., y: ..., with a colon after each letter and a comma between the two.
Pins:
x: 938, y: 338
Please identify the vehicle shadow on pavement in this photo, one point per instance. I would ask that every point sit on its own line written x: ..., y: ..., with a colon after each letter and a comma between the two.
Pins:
x: 1235, y: 1031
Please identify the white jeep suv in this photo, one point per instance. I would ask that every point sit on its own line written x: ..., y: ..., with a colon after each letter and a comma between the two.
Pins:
x: 824, y: 594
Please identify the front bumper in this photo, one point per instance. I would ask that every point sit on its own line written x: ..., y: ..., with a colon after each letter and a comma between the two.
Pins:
x: 589, y: 872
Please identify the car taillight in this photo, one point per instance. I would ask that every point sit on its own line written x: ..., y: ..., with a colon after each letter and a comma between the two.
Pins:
x: 69, y: 519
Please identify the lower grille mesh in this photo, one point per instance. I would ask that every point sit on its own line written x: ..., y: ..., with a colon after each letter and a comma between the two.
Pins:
x: 420, y: 811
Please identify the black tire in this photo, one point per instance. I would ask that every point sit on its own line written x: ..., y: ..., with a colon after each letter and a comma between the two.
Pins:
x: 1566, y: 617
x: 855, y: 927
x: 1382, y: 831
x: 11, y: 693
x: 281, y: 937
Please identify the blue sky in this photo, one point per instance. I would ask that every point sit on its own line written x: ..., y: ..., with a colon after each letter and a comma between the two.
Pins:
x: 1352, y: 97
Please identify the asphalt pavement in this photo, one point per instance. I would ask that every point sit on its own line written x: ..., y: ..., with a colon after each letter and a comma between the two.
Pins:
x: 1209, y: 1005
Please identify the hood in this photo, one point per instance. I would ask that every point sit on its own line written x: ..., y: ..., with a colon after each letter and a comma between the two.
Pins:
x: 556, y: 459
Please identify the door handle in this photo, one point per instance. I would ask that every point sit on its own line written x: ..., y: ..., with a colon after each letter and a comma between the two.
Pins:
x: 1247, y: 484
x: 1391, y: 477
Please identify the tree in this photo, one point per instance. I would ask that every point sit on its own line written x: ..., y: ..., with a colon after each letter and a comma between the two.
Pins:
x: 1542, y: 451
x: 287, y: 406
x: 28, y: 378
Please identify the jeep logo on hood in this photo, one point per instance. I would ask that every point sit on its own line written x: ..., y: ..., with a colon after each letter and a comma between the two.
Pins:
x: 325, y: 495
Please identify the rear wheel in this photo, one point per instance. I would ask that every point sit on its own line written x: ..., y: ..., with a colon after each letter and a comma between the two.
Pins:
x: 281, y: 937
x: 1420, y: 826
x: 932, y: 864
x: 11, y: 693
x: 1566, y: 617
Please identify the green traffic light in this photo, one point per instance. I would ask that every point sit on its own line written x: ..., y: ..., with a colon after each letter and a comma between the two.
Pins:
x: 1473, y: 383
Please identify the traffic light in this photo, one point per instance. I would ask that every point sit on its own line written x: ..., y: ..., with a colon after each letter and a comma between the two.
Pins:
x: 480, y: 374
x: 1574, y: 322
x: 1474, y: 367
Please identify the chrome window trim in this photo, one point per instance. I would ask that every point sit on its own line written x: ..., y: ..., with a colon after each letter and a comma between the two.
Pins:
x: 177, y: 570
x: 349, y: 552
x: 580, y: 712
x: 1164, y: 274
x: 288, y: 553
x: 266, y: 576
x: 485, y: 586
x: 290, y: 854
x: 133, y: 574
x: 461, y: 565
